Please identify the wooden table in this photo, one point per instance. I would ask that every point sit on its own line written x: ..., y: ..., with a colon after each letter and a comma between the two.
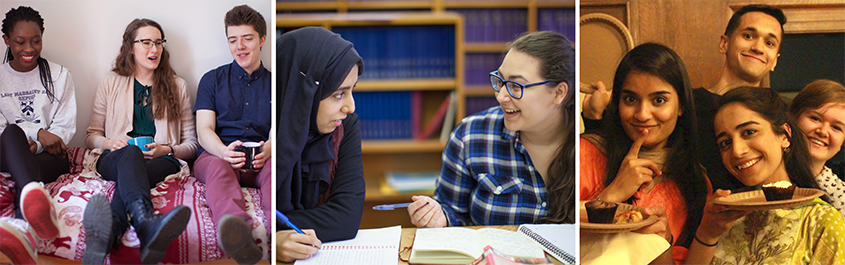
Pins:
x: 407, y: 240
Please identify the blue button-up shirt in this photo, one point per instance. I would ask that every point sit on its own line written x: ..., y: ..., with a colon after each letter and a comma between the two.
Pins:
x: 241, y: 102
x: 487, y: 177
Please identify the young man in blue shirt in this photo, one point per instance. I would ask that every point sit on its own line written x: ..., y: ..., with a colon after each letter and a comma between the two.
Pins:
x: 233, y: 106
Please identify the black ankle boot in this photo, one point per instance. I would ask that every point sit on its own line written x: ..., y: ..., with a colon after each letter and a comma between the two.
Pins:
x: 99, y: 230
x: 156, y: 231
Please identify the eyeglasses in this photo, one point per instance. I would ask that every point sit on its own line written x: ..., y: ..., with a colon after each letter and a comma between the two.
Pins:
x: 148, y: 43
x: 514, y: 88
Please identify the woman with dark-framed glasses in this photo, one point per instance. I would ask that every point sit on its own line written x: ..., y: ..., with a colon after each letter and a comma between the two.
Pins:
x: 513, y: 163
x: 141, y: 97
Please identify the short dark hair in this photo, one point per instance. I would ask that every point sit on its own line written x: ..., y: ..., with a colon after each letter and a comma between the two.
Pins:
x: 245, y: 15
x: 767, y: 9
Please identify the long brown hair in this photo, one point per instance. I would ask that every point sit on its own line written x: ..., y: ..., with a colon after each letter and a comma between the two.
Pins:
x: 557, y: 63
x: 165, y: 98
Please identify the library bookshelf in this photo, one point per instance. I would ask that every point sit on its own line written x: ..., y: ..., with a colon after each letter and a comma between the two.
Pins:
x: 478, y: 50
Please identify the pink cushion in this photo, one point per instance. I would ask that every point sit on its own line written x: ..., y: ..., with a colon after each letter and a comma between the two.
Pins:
x: 70, y: 196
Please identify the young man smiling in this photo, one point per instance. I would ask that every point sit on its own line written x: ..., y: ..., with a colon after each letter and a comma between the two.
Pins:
x: 751, y: 45
x: 233, y: 107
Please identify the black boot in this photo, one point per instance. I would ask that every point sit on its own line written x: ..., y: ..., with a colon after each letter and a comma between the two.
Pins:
x: 157, y: 230
x: 99, y: 233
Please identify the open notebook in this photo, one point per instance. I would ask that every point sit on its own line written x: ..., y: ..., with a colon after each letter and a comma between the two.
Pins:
x: 369, y: 247
x: 559, y: 240
x: 458, y: 245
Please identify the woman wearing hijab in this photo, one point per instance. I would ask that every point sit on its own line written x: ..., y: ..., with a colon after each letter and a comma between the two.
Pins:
x: 320, y: 177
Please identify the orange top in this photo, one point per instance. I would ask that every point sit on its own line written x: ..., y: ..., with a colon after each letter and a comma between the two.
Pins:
x: 665, y: 193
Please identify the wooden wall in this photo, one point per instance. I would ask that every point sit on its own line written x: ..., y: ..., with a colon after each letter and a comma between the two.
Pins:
x: 693, y: 28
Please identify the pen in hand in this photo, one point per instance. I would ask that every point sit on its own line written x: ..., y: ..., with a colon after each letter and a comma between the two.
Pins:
x: 390, y: 207
x: 284, y: 219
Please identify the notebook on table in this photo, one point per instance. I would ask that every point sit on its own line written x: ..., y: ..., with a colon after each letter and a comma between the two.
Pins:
x: 559, y: 240
x: 458, y: 245
x: 370, y: 246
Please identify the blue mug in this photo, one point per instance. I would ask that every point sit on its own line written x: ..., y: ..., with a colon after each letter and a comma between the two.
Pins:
x: 140, y: 142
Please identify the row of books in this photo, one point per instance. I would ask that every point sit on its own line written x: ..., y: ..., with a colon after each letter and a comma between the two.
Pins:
x: 560, y: 20
x: 477, y: 67
x: 493, y: 24
x: 398, y: 52
x: 385, y: 115
x: 398, y: 115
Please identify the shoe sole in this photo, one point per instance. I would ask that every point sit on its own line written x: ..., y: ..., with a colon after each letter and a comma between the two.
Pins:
x: 173, y: 226
x: 35, y: 203
x: 14, y: 247
x: 236, y: 240
x: 97, y: 222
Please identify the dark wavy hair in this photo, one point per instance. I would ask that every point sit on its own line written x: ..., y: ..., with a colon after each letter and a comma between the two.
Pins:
x: 165, y: 98
x: 683, y: 167
x: 768, y: 104
x: 22, y: 14
x: 557, y: 62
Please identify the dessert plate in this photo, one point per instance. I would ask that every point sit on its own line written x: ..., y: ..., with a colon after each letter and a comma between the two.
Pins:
x: 756, y: 201
x: 616, y: 228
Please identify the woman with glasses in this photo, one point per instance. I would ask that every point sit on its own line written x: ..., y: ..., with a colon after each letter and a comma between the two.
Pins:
x: 37, y: 120
x: 141, y: 96
x: 645, y: 155
x: 513, y: 163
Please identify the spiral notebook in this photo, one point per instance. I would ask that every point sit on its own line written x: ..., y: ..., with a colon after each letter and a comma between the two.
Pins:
x: 559, y: 240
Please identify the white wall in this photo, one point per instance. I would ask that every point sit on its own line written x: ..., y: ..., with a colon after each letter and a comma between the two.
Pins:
x: 85, y: 37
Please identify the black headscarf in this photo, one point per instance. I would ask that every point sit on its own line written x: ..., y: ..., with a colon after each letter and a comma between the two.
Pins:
x: 312, y: 63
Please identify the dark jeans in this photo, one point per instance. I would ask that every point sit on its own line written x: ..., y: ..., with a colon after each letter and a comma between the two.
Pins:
x: 25, y: 167
x: 134, y: 176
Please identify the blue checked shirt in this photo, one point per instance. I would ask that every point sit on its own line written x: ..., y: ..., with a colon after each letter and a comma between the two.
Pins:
x: 487, y: 177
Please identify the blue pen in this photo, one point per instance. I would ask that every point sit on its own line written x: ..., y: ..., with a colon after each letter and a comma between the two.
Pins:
x: 390, y: 207
x: 284, y: 219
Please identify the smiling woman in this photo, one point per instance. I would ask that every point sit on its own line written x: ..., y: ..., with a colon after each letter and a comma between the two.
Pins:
x: 759, y: 144
x: 37, y: 121
x: 819, y: 111
x: 513, y: 163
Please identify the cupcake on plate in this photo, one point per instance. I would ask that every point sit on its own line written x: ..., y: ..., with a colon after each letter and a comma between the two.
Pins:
x: 601, y: 212
x: 777, y: 191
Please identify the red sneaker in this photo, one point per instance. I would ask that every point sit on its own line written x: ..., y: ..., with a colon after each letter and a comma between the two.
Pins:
x: 17, y: 242
x: 37, y: 209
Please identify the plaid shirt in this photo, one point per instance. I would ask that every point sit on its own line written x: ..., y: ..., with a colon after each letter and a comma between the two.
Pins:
x: 487, y: 177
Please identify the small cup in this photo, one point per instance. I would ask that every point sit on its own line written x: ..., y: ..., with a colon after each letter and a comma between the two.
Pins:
x: 250, y: 149
x: 140, y: 142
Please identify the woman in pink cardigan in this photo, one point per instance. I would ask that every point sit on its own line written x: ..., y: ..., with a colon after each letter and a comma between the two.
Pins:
x: 141, y: 96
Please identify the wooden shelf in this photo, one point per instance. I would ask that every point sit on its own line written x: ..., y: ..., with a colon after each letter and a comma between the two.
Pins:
x: 406, y: 84
x: 284, y: 6
x: 487, y: 4
x: 556, y: 4
x: 368, y: 19
x: 401, y: 146
x: 376, y: 194
x: 479, y: 91
x: 390, y: 5
x: 492, y: 47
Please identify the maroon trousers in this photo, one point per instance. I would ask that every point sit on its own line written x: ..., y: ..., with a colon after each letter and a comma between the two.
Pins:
x: 223, y: 188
